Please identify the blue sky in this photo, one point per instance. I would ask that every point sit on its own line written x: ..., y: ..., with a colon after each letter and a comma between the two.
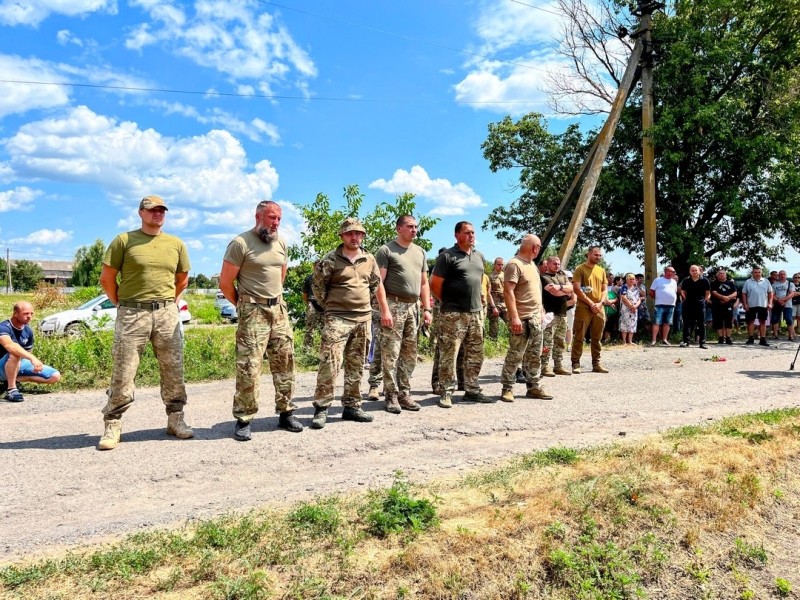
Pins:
x: 387, y: 95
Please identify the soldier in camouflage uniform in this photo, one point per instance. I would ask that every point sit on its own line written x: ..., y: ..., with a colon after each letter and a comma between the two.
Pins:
x: 344, y: 282
x: 556, y: 292
x: 523, y: 293
x: 153, y: 268
x: 315, y: 315
x: 257, y: 260
x: 403, y: 268
x: 456, y: 282
x: 497, y: 304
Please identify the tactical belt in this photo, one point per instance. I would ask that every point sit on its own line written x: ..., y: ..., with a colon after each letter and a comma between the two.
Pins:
x: 405, y: 299
x: 248, y: 299
x: 149, y: 305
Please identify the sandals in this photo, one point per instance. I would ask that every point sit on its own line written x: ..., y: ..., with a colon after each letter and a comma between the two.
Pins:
x: 14, y: 396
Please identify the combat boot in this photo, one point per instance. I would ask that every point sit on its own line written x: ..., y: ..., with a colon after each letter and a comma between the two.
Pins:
x: 559, y: 370
x: 446, y: 400
x: 111, y: 435
x: 548, y: 372
x: 392, y: 405
x: 320, y: 416
x: 354, y: 413
x: 538, y: 393
x: 373, y: 394
x: 598, y: 368
x: 406, y: 403
x: 576, y: 368
x: 507, y: 395
x: 289, y: 422
x: 478, y: 397
x: 177, y: 426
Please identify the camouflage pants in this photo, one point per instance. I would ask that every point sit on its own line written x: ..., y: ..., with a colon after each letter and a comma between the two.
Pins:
x: 525, y: 349
x: 133, y: 328
x: 494, y: 320
x: 263, y: 329
x: 376, y: 364
x: 314, y: 320
x: 399, y: 347
x: 435, y: 347
x: 555, y: 341
x: 457, y: 330
x: 346, y: 340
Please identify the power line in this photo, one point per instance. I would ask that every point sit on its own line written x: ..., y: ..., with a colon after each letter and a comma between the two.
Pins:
x: 537, y: 8
x: 413, y: 39
x: 130, y: 88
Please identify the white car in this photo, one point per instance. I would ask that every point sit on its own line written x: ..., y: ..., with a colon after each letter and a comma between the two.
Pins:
x: 99, y: 313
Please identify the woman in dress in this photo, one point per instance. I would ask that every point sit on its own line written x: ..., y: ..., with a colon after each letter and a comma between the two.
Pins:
x: 631, y: 297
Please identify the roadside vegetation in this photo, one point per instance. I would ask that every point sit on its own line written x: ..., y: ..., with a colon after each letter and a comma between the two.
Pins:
x: 695, y: 512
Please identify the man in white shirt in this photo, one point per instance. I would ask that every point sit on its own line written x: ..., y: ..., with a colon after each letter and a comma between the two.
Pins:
x: 664, y: 290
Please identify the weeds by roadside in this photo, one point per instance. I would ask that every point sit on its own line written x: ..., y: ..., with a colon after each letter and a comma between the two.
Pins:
x: 672, y: 516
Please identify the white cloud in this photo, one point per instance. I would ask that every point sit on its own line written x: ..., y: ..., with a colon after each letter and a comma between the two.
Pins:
x: 65, y: 36
x: 518, y: 38
x: 222, y: 118
x: 43, y: 236
x: 18, y: 199
x: 205, y: 172
x: 450, y: 199
x: 227, y: 35
x: 33, y: 12
x: 194, y: 244
x: 20, y: 97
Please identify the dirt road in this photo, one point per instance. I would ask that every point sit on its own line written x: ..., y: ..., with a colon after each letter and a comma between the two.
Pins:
x: 57, y: 490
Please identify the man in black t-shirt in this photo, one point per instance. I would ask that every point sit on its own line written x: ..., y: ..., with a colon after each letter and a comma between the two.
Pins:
x: 723, y: 297
x: 556, y: 292
x: 695, y: 292
x: 17, y: 362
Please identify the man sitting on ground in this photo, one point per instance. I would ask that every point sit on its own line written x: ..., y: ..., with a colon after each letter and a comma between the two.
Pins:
x: 17, y: 363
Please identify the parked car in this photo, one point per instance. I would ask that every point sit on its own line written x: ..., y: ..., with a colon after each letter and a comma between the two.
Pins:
x: 97, y: 314
x: 220, y: 300
x: 228, y: 311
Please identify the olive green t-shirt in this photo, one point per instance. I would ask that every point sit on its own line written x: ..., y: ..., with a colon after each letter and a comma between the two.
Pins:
x: 404, y: 267
x: 594, y: 277
x: 147, y: 264
x: 528, y: 290
x: 260, y: 264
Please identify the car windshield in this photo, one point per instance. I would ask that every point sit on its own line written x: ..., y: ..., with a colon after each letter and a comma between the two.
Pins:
x: 89, y: 304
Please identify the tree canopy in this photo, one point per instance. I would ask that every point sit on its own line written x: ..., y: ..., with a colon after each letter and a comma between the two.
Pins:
x: 726, y: 134
x: 25, y: 275
x: 322, y: 224
x: 87, y: 265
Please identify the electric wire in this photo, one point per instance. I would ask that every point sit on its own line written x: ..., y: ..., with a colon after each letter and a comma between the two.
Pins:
x: 130, y: 88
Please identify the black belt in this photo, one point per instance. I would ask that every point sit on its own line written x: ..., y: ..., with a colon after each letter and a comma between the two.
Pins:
x: 149, y: 305
x: 248, y: 299
x: 405, y: 299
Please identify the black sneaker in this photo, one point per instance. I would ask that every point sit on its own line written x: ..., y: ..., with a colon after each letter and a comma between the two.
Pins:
x: 478, y: 397
x: 242, y: 431
x: 289, y: 422
x: 703, y: 346
x: 750, y: 341
x: 729, y: 341
x: 763, y: 342
x: 320, y: 416
x: 721, y: 340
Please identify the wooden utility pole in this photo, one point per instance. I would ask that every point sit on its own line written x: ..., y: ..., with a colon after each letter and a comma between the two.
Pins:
x: 8, y: 271
x: 648, y: 153
x: 599, y: 156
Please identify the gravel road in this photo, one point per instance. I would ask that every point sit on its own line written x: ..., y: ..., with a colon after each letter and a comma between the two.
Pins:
x: 58, y: 491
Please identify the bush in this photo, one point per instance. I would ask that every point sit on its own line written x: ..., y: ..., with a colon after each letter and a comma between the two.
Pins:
x: 84, y: 294
x: 395, y: 511
x: 48, y: 295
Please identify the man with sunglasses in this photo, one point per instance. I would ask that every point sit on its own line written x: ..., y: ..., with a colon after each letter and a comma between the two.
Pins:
x: 153, y: 269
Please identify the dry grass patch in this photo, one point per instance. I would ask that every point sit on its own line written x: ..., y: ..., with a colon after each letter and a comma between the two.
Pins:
x: 692, y: 513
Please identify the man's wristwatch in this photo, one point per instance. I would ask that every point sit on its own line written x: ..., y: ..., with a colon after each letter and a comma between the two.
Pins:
x: 427, y: 310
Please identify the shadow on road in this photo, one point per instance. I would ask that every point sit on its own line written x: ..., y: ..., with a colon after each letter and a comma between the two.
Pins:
x: 770, y: 374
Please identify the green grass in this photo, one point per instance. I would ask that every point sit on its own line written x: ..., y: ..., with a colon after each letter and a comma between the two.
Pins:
x: 395, y: 510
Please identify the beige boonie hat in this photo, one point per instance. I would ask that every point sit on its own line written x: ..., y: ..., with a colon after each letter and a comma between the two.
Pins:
x: 150, y: 202
x: 352, y: 224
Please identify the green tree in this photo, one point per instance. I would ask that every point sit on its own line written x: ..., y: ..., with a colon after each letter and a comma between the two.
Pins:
x: 3, y: 269
x: 201, y: 282
x: 87, y: 265
x: 25, y: 275
x: 322, y: 224
x: 726, y: 139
